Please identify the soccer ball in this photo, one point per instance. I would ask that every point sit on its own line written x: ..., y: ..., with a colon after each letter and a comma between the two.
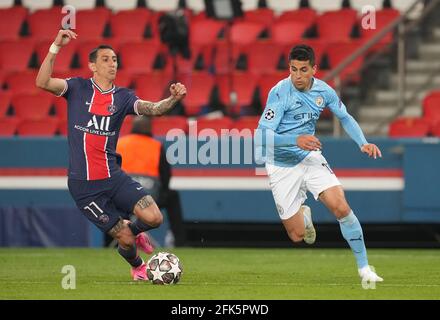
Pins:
x: 164, y: 268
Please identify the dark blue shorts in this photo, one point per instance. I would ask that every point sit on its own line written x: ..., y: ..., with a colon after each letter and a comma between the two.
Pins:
x: 105, y: 202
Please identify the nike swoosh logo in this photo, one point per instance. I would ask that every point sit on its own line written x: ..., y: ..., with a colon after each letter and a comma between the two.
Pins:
x: 139, y: 188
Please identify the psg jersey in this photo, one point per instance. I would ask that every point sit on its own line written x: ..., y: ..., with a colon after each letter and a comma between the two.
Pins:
x: 94, y: 120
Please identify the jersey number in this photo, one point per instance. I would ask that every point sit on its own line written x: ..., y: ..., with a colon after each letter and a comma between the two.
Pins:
x: 96, y: 207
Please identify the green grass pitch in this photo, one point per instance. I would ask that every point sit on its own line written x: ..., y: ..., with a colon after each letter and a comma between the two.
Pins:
x: 266, y: 274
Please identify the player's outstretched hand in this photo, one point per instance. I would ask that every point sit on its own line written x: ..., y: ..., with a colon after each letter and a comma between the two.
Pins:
x: 372, y: 150
x: 64, y: 36
x: 178, y: 90
x: 308, y: 142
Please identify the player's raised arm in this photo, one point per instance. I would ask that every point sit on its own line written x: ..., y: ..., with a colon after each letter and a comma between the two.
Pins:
x: 148, y: 108
x: 44, y: 78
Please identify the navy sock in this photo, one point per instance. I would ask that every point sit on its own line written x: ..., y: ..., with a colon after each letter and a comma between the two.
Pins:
x: 138, y: 226
x: 131, y: 256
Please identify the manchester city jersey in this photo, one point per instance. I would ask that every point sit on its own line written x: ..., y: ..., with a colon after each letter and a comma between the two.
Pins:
x: 290, y: 113
x: 94, y: 120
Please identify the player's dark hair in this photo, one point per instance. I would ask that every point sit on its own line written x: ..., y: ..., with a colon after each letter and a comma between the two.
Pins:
x: 94, y: 53
x: 302, y: 52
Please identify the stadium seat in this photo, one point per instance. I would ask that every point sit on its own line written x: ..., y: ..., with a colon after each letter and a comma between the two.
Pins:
x: 263, y: 57
x: 244, y: 33
x: 32, y: 106
x: 22, y: 82
x: 246, y: 122
x: 222, y: 53
x: 8, y: 126
x: 336, y: 25
x: 11, y: 21
x: 199, y: 86
x: 435, y: 130
x: 408, y: 128
x: 152, y: 86
x: 205, y: 32
x: 263, y: 16
x: 117, y: 5
x: 139, y: 57
x: 44, y: 24
x: 81, y: 4
x: 15, y: 55
x: 90, y: 24
x: 287, y: 32
x: 40, y: 127
x: 200, y: 59
x: 280, y: 6
x: 124, y: 79
x: 431, y: 108
x: 339, y: 51
x: 162, y: 125
x: 267, y: 82
x: 5, y: 101
x: 305, y: 15
x: 244, y: 85
x: 62, y: 127
x: 319, y: 47
x: 33, y: 5
x: 130, y: 25
x: 60, y: 108
x: 383, y: 18
x: 219, y: 124
x: 64, y: 57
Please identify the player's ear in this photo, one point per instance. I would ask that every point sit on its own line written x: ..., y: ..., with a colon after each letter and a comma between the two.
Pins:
x: 92, y: 66
x: 314, y: 68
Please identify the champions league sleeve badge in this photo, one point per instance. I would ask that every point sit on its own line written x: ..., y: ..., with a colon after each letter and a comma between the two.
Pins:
x: 269, y: 115
x: 111, y: 108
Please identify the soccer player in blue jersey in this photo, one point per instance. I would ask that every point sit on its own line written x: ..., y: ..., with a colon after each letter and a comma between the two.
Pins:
x: 296, y: 163
x: 96, y: 110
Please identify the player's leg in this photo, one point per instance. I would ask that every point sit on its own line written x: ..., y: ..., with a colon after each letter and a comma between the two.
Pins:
x: 351, y: 229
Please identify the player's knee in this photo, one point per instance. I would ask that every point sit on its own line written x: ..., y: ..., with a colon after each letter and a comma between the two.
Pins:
x: 156, y: 217
x: 341, y: 209
x: 296, y: 236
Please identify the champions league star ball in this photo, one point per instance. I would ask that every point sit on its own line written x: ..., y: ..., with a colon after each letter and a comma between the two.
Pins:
x: 164, y: 268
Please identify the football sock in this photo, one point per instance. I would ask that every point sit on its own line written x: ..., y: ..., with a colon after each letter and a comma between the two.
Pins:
x: 138, y: 226
x: 352, y: 231
x: 130, y: 255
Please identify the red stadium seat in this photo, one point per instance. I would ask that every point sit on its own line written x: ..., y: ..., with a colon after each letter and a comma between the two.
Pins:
x: 62, y: 127
x: 223, y: 52
x: 408, y: 128
x: 123, y: 79
x: 8, y: 126
x: 268, y: 81
x: 5, y: 101
x: 383, y: 18
x: 244, y: 33
x: 244, y: 85
x: 44, y: 24
x: 64, y: 57
x: 11, y: 20
x: 32, y: 106
x: 205, y: 32
x: 22, y: 82
x: 90, y: 24
x: 305, y: 15
x: 60, y: 107
x: 41, y: 127
x: 162, y: 125
x: 15, y: 55
x: 246, y: 125
x: 339, y: 51
x: 336, y: 25
x: 185, y: 65
x: 139, y: 57
x: 287, y: 32
x: 152, y: 86
x: 130, y: 25
x: 205, y: 126
x: 263, y: 57
x: 435, y: 130
x: 199, y: 86
x: 261, y: 15
x: 431, y: 107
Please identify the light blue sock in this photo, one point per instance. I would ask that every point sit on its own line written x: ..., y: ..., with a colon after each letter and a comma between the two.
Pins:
x: 352, y: 231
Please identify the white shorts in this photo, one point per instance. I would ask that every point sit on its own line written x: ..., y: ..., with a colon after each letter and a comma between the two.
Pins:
x: 290, y: 184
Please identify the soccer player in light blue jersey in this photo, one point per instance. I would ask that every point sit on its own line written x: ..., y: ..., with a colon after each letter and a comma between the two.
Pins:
x: 297, y: 165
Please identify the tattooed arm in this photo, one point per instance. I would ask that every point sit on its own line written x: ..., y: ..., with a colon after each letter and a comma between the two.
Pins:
x: 147, y: 108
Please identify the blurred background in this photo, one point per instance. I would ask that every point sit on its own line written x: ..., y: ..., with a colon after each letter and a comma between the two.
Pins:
x: 229, y: 54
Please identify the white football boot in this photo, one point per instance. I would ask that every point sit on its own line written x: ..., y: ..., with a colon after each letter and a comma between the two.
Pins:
x: 368, y: 275
x: 310, y: 233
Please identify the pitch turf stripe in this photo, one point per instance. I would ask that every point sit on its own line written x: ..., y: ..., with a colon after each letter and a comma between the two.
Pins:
x: 208, y: 183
